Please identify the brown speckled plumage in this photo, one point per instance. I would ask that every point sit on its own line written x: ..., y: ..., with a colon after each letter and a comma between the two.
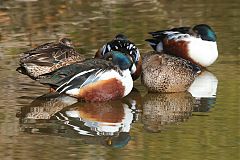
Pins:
x: 48, y: 57
x: 166, y: 73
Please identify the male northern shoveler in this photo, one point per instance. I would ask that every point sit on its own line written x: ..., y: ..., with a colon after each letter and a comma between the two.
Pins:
x: 122, y: 44
x: 48, y: 57
x: 197, y: 44
x: 167, y: 73
x: 93, y: 79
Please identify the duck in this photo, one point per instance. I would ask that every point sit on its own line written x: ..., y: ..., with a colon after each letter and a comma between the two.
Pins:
x: 196, y: 44
x: 107, y: 123
x: 93, y: 80
x: 166, y: 73
x: 122, y: 44
x: 47, y: 58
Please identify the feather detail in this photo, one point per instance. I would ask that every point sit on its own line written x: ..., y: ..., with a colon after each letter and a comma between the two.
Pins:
x: 196, y: 44
x: 49, y: 57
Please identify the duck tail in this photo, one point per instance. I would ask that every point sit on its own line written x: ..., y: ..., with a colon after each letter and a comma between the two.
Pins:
x: 153, y: 43
x: 197, y: 69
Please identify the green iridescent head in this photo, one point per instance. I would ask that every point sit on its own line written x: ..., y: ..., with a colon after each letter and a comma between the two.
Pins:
x: 120, y: 59
x: 205, y: 32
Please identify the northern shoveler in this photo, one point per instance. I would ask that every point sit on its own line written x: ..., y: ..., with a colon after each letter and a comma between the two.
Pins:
x: 93, y: 79
x: 196, y: 44
x: 48, y: 57
x: 122, y: 44
x: 167, y: 73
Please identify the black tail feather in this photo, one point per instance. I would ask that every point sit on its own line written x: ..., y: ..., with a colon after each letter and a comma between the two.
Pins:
x: 197, y: 69
x: 153, y: 43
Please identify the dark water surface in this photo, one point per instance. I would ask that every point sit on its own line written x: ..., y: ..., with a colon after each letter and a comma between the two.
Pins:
x: 35, y: 125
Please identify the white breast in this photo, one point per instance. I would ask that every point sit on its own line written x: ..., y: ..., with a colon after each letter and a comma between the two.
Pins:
x: 202, y: 52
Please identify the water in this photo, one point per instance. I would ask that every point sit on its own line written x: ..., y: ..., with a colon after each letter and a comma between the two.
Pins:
x: 33, y: 125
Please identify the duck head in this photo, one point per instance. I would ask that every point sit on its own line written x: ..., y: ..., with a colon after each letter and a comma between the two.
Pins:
x: 66, y: 42
x: 121, y: 36
x: 205, y: 32
x: 120, y: 59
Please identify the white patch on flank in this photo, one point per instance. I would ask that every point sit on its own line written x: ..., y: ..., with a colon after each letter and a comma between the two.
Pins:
x: 202, y: 52
x: 133, y: 69
x: 159, y: 47
x: 116, y: 47
x: 73, y: 92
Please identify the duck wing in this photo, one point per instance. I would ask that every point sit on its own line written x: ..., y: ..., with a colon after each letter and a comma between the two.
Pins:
x: 75, y: 75
x: 176, y: 34
x: 48, y: 54
x: 163, y: 33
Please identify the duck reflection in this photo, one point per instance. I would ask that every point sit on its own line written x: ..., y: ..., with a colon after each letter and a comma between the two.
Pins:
x: 160, y: 109
x: 106, y: 123
x: 204, y: 89
x: 108, y: 118
x: 45, y: 106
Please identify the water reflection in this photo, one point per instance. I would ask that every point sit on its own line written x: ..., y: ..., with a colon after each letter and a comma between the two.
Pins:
x: 23, y: 25
x: 106, y: 123
x: 204, y: 89
x: 204, y: 86
x: 160, y: 109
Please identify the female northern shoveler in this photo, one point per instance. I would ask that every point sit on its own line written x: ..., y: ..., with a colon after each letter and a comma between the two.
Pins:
x: 197, y: 44
x: 166, y: 73
x: 122, y: 44
x: 93, y: 79
x: 48, y: 57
